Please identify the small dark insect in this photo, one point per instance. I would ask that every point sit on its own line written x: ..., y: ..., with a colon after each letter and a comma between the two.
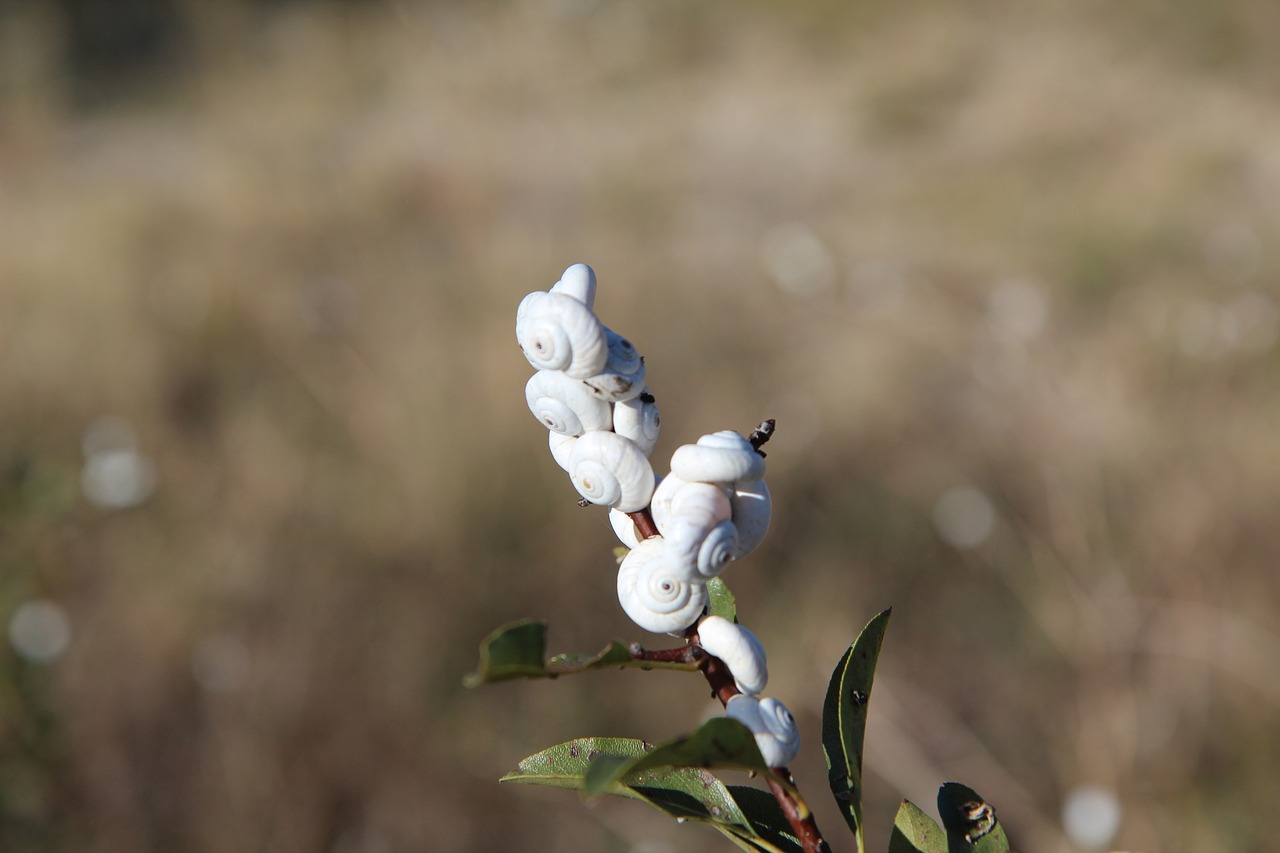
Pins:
x: 646, y: 397
x: 858, y: 698
x: 583, y: 502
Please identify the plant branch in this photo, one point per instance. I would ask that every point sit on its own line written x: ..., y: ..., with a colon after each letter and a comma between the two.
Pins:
x: 796, y: 810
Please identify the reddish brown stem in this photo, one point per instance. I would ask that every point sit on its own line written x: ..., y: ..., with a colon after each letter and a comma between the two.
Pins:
x: 643, y: 520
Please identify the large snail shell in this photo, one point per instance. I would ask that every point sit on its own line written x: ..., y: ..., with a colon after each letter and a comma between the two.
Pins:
x: 557, y: 332
x: 655, y: 593
x: 610, y: 470
x: 752, y: 509
x: 696, y: 510
x: 723, y: 457
x: 638, y: 420
x: 775, y: 728
x: 561, y: 446
x: 565, y: 405
x: 578, y: 281
x: 738, y: 648
x: 623, y: 374
x: 718, y: 549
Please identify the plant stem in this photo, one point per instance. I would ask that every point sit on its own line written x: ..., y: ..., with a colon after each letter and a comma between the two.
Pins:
x: 797, y: 812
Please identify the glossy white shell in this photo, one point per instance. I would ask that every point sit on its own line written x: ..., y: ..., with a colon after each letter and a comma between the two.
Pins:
x: 638, y: 421
x: 624, y: 528
x: 578, y: 281
x: 609, y: 470
x: 657, y: 595
x: 697, y: 510
x: 752, y: 508
x: 660, y: 507
x: 623, y: 375
x: 563, y: 404
x: 775, y: 728
x: 557, y: 332
x: 561, y: 446
x: 739, y: 649
x: 722, y: 457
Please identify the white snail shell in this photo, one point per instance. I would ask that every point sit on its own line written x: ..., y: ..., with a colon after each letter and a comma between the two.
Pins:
x: 638, y: 420
x: 660, y: 506
x: 696, y: 511
x: 752, y: 509
x: 625, y: 529
x: 610, y: 470
x: 557, y: 332
x: 775, y: 728
x: 561, y: 446
x: 563, y: 404
x: 578, y: 281
x: 739, y: 649
x: 722, y: 457
x: 623, y: 375
x: 655, y: 593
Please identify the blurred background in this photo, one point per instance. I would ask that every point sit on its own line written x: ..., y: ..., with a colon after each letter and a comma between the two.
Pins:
x: 1006, y: 275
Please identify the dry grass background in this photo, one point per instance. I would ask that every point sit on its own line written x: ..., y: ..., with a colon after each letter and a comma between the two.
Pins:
x: 1032, y: 250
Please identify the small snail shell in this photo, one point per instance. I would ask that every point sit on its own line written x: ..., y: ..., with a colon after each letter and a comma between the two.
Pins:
x: 660, y: 506
x: 557, y: 332
x: 655, y: 593
x: 752, y: 508
x: 738, y: 648
x: 775, y: 728
x: 718, y: 549
x: 565, y: 405
x: 625, y: 529
x: 561, y: 446
x: 610, y: 470
x: 578, y: 281
x: 623, y: 375
x: 723, y: 457
x: 638, y: 420
x: 696, y: 510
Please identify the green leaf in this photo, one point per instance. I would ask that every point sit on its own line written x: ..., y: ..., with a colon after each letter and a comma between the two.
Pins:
x: 844, y: 721
x: 685, y: 793
x: 722, y: 601
x: 916, y: 832
x: 765, y: 816
x: 518, y: 650
x: 719, y: 742
x: 971, y: 822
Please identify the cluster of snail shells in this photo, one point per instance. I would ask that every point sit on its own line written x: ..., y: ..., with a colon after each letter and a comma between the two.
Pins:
x: 713, y: 508
x: 589, y: 393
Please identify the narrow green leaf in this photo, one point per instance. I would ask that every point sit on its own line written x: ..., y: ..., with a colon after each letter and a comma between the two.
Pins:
x: 765, y: 816
x: 916, y: 832
x: 723, y: 603
x: 844, y: 721
x: 971, y: 822
x: 719, y: 742
x: 685, y: 793
x: 518, y: 650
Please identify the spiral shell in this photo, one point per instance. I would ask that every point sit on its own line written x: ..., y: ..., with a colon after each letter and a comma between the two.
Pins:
x: 655, y: 593
x: 775, y: 728
x: 696, y: 510
x: 738, y: 648
x: 752, y: 509
x: 557, y: 332
x: 723, y: 457
x: 565, y: 405
x: 561, y: 446
x: 578, y: 281
x: 638, y: 420
x: 623, y: 375
x: 610, y: 470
